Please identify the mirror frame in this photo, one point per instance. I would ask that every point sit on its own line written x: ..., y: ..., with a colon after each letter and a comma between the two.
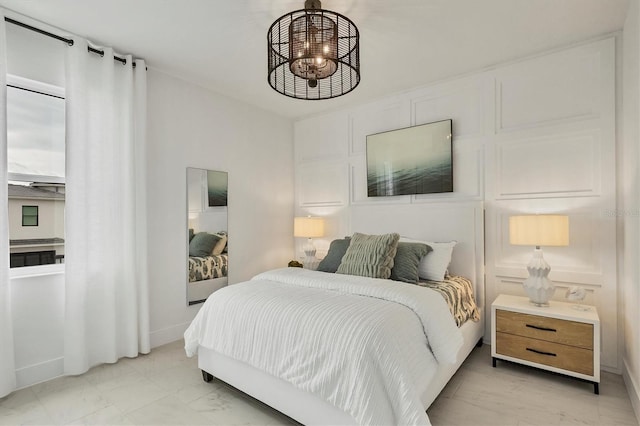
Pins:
x: 206, y: 204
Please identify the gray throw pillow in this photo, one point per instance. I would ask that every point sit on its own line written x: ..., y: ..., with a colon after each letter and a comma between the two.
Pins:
x: 370, y: 255
x: 191, y: 234
x: 405, y: 264
x: 202, y: 244
x: 332, y: 260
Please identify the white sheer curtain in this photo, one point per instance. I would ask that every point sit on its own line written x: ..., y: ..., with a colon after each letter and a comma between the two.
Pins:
x: 107, y: 315
x: 7, y: 364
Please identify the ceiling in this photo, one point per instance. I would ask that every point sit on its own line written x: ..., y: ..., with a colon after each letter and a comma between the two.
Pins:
x: 221, y: 44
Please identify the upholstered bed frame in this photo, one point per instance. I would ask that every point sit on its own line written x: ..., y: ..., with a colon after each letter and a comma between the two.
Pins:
x: 460, y: 221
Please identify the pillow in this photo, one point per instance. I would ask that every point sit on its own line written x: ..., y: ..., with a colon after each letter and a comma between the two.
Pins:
x: 226, y: 246
x: 191, y: 234
x: 220, y: 245
x: 405, y: 264
x: 332, y: 260
x: 434, y: 265
x: 202, y: 244
x: 370, y: 255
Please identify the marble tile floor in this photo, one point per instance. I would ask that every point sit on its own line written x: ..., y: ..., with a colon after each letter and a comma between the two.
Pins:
x: 165, y: 387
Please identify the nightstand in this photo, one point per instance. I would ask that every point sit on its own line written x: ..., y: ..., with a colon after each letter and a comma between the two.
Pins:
x: 556, y: 338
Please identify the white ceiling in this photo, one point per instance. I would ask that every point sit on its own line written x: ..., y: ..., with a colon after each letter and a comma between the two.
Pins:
x: 221, y: 44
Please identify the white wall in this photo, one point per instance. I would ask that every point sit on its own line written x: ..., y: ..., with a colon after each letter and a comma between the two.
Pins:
x: 535, y: 136
x: 192, y: 127
x: 629, y: 202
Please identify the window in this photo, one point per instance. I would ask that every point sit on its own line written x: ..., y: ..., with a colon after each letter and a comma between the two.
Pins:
x: 36, y: 166
x: 29, y: 215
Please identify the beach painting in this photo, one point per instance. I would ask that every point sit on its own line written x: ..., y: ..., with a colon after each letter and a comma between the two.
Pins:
x: 217, y: 188
x: 414, y: 160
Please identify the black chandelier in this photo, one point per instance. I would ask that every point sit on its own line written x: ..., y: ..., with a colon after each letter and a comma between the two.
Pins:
x: 313, y: 53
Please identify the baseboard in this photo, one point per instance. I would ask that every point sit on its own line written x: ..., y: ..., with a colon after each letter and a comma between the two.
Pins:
x: 168, y: 334
x: 632, y: 389
x: 37, y: 373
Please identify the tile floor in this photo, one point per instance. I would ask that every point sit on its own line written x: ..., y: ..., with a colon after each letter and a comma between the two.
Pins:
x: 165, y: 387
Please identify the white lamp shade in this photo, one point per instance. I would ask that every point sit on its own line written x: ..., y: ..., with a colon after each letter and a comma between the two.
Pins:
x: 308, y: 227
x: 539, y: 230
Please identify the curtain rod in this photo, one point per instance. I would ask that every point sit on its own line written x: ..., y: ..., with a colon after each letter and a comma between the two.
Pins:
x: 66, y: 40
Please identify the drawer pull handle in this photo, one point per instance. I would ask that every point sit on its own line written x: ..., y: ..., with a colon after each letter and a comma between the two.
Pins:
x: 541, y: 328
x: 541, y: 352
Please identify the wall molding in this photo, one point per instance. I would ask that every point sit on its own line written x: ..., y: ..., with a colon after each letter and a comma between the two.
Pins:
x: 38, y: 373
x: 576, y: 162
x: 321, y: 184
x: 468, y: 94
x: 527, y: 94
x: 168, y: 334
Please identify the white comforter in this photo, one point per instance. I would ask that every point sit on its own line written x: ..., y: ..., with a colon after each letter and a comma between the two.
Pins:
x: 368, y: 346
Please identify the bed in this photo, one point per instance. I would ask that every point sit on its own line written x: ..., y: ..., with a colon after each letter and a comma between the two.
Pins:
x: 395, y: 385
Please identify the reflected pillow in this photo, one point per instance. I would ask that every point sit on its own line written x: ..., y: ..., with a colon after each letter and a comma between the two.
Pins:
x: 220, y: 245
x: 434, y: 265
x: 370, y: 255
x: 226, y: 246
x: 202, y: 244
x: 191, y: 234
x: 405, y: 264
x: 332, y: 260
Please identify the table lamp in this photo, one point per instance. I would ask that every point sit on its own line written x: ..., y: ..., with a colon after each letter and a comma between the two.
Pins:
x: 308, y: 227
x: 539, y: 230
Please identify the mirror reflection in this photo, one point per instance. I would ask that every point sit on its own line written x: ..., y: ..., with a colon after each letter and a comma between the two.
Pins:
x: 207, y: 265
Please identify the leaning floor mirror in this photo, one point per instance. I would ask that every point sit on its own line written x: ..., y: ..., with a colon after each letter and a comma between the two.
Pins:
x: 208, y: 259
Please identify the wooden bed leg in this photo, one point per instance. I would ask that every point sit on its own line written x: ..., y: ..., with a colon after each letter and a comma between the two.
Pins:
x: 479, y: 344
x: 206, y: 376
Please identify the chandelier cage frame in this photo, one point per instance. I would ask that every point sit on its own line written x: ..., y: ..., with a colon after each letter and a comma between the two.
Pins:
x: 313, y: 54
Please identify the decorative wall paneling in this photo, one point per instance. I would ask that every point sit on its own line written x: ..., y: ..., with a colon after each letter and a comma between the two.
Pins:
x: 554, y: 165
x: 534, y: 136
x: 556, y: 88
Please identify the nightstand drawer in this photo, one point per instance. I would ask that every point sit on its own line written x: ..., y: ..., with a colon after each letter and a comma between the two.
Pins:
x: 544, y: 328
x: 552, y: 354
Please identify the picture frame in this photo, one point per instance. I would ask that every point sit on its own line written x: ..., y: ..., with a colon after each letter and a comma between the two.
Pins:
x: 409, y: 161
x: 217, y: 183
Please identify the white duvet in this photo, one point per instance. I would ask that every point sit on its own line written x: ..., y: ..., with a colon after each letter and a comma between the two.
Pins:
x: 368, y: 346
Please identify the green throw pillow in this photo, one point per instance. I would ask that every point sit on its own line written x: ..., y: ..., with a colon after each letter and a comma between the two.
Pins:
x: 332, y: 260
x: 405, y: 264
x: 202, y: 244
x: 370, y: 255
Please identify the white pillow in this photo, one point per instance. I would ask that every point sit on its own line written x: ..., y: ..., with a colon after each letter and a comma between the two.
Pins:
x: 434, y: 265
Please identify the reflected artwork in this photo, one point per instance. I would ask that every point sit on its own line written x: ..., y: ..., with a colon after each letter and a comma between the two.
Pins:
x: 217, y: 188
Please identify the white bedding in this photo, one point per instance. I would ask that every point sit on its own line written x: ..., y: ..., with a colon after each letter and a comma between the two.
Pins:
x: 358, y: 343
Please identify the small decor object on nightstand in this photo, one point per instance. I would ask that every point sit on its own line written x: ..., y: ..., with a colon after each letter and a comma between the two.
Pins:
x: 309, y: 227
x: 539, y: 230
x: 577, y: 294
x: 294, y: 264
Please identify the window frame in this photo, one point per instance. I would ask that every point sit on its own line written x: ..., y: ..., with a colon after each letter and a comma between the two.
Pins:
x: 37, y: 215
x: 45, y: 90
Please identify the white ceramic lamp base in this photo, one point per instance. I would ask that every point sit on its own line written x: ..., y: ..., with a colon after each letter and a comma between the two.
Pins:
x: 310, y: 261
x: 538, y: 287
